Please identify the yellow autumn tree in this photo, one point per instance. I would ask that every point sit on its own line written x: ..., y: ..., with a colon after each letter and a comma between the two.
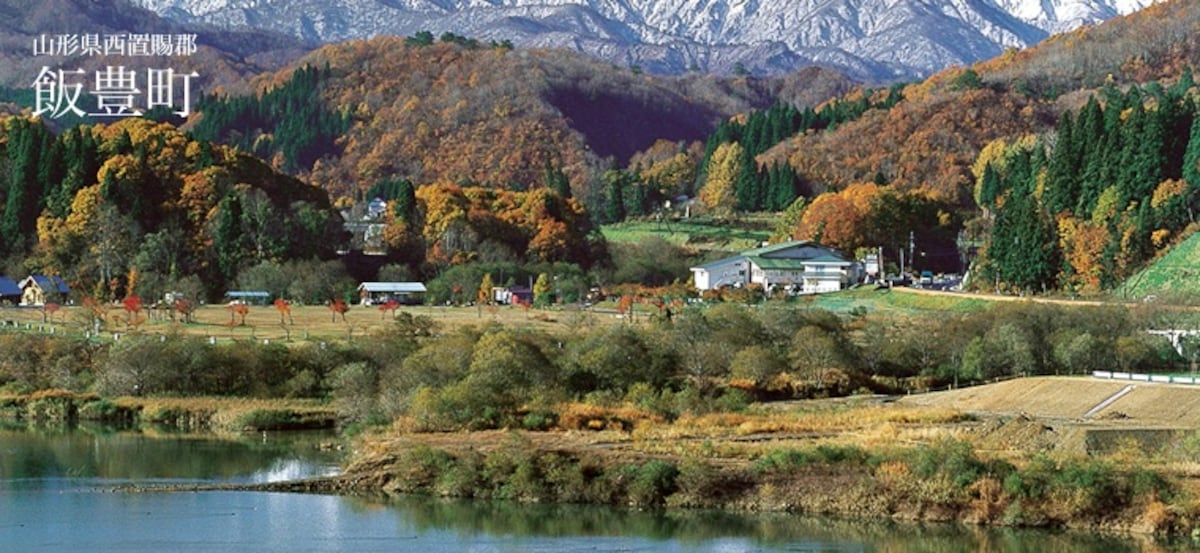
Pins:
x: 718, y: 192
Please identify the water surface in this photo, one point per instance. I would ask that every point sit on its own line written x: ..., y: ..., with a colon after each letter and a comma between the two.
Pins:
x: 57, y: 494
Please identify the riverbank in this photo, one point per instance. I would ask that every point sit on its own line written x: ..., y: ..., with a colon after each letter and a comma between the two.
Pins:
x: 201, y: 413
x: 959, y: 456
x: 862, y: 458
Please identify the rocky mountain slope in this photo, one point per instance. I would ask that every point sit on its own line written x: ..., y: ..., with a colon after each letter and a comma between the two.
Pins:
x: 871, y: 39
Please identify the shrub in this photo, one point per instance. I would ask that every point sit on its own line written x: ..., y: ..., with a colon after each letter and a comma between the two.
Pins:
x: 948, y: 458
x: 1085, y: 487
x: 420, y: 467
x: 464, y: 478
x: 104, y: 410
x: 842, y: 454
x: 1146, y: 482
x: 651, y: 483
x: 274, y: 419
x: 782, y: 459
x: 525, y: 483
x: 700, y: 484
x: 567, y: 480
x: 539, y: 420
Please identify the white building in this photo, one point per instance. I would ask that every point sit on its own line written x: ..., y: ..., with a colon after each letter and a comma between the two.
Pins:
x: 376, y: 293
x: 800, y: 266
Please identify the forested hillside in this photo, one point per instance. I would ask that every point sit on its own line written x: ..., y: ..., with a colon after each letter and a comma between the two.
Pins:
x: 917, y: 164
x: 453, y: 110
x: 1117, y: 186
x: 140, y: 204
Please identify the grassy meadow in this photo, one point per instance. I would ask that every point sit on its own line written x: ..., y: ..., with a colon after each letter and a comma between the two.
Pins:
x: 700, y: 233
x: 1173, y: 277
x: 305, y: 323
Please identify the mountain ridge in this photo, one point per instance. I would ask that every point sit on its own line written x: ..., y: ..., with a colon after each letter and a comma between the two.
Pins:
x: 869, y: 39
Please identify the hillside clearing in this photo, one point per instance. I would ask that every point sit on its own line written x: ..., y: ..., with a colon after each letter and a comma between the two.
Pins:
x: 1170, y: 278
x: 699, y: 233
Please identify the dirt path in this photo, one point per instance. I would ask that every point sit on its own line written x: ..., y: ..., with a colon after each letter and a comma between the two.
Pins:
x: 999, y: 297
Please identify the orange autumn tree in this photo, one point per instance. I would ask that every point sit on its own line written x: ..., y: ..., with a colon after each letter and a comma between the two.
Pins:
x: 285, y: 309
x: 459, y: 222
x: 338, y: 307
x: 391, y: 305
x: 240, y: 310
x: 839, y: 219
x: 133, y: 310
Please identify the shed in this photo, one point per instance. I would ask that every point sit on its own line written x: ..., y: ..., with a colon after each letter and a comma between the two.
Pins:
x: 408, y: 293
x: 256, y: 297
x: 520, y: 295
x: 39, y: 289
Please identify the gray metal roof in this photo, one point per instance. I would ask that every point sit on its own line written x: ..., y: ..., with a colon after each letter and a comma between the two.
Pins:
x: 248, y: 294
x: 393, y: 287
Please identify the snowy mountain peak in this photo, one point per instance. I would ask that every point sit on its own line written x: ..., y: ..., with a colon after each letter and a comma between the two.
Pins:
x: 872, y: 39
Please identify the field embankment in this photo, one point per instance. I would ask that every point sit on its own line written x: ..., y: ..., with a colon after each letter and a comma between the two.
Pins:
x: 1071, y: 398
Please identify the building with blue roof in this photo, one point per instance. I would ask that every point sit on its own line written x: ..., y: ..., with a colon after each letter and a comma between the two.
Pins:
x: 43, y: 289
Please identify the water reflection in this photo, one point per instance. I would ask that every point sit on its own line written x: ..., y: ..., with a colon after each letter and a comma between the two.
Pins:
x: 707, y: 530
x: 104, y: 453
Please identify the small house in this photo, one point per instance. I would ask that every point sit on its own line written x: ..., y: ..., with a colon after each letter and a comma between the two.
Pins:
x: 377, y: 293
x: 42, y: 289
x: 376, y: 208
x: 10, y: 293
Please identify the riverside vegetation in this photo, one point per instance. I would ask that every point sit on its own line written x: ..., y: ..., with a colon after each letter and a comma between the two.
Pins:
x: 698, y: 409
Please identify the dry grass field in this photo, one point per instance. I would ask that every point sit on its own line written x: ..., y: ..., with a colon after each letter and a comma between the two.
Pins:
x: 306, y: 323
x: 1071, y: 398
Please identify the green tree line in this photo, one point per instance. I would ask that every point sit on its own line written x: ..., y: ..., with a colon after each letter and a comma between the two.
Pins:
x: 1085, y: 207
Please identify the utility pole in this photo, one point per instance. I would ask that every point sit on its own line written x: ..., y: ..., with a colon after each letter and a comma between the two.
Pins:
x: 911, y: 259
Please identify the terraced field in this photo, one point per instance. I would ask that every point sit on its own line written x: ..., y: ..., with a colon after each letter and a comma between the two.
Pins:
x: 1055, y: 397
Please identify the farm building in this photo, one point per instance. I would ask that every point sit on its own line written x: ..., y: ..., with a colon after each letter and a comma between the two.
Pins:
x: 248, y: 297
x: 375, y: 293
x: 40, y: 289
x: 513, y: 295
x: 799, y: 266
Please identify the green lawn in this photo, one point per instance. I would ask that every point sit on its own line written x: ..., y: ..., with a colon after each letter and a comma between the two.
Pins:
x: 697, y: 232
x: 885, y: 301
x: 1174, y: 278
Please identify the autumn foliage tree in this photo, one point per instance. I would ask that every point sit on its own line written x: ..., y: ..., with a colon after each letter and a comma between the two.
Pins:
x: 461, y: 224
x: 338, y: 307
x: 133, y: 310
x: 284, y: 308
x: 142, y: 194
x: 1085, y: 211
x: 718, y: 193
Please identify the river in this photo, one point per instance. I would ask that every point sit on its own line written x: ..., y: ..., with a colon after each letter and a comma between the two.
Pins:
x: 58, y: 492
